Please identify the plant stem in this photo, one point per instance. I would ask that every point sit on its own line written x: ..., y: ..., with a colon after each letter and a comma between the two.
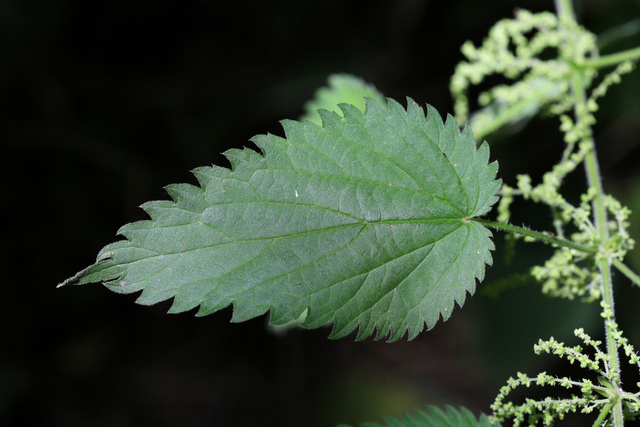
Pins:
x: 626, y: 271
x: 603, y: 414
x: 543, y: 237
x: 566, y: 13
x: 612, y: 59
x: 603, y: 263
x: 564, y: 8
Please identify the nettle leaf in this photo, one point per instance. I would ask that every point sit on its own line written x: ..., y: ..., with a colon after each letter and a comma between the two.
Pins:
x: 364, y: 222
x: 435, y: 417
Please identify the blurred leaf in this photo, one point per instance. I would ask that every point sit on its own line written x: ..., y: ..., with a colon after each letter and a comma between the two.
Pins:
x: 342, y: 89
x: 435, y: 417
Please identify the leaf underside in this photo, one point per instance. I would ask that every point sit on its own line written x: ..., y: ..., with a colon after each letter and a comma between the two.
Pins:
x: 435, y: 417
x: 363, y: 222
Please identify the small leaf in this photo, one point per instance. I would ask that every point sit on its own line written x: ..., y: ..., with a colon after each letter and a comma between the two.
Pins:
x: 342, y: 89
x: 435, y: 417
x: 364, y: 222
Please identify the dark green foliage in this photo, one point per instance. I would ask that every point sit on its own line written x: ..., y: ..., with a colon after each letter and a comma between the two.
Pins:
x: 435, y: 417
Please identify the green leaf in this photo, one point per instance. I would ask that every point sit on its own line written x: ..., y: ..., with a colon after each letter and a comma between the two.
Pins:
x: 364, y: 222
x: 435, y: 417
x: 342, y: 89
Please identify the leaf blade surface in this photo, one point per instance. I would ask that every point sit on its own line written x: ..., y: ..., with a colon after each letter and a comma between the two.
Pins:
x: 363, y: 223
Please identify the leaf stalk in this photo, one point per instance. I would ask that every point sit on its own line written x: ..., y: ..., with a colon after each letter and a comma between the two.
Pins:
x: 541, y: 236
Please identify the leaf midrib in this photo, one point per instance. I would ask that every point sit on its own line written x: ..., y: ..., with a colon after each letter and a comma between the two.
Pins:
x: 362, y: 223
x: 364, y: 226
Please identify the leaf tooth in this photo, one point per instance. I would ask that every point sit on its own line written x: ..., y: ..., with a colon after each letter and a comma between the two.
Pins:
x: 416, y: 114
x: 454, y: 136
x: 294, y: 132
x: 482, y: 151
x: 434, y: 114
x: 413, y: 107
x: 351, y: 112
x: 242, y: 311
x: 370, y: 102
x: 279, y: 315
x: 107, y: 253
x: 393, y: 336
x: 181, y: 192
x: 365, y: 330
x: 490, y: 190
x: 151, y: 296
x: 434, y: 126
x: 393, y: 107
x: 155, y: 209
x: 207, y: 174
x: 243, y: 161
x: 187, y: 196
x: 342, y: 326
x: 412, y: 333
x: 182, y: 303
x: 329, y: 118
x: 466, y: 132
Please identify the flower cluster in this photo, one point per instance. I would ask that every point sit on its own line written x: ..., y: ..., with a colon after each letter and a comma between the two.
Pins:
x: 513, y: 49
x: 587, y: 396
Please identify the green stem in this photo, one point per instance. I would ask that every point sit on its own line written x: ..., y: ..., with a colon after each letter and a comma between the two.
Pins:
x: 609, y: 60
x: 626, y: 271
x: 603, y: 263
x: 603, y: 414
x: 564, y: 8
x: 566, y: 13
x: 543, y: 237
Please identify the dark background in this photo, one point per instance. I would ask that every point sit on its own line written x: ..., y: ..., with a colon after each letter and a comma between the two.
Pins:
x: 102, y: 103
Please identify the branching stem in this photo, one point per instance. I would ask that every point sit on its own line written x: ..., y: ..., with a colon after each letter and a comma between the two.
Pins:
x: 603, y: 415
x: 609, y: 60
x: 626, y: 271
